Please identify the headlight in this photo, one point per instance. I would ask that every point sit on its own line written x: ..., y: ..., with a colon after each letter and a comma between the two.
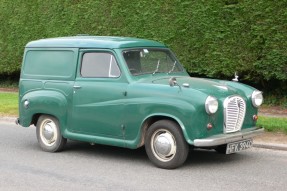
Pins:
x: 211, y: 105
x: 257, y: 98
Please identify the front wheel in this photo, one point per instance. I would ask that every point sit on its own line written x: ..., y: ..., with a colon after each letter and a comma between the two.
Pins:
x: 165, y: 144
x: 49, y: 134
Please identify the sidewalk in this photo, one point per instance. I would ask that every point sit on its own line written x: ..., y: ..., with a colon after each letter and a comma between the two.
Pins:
x: 274, y: 111
x: 271, y: 140
x: 268, y: 140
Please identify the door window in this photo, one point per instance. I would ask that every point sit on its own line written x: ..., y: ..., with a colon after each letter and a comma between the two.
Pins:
x: 99, y: 65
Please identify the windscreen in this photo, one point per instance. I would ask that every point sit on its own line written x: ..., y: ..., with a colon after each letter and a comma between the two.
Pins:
x: 151, y: 61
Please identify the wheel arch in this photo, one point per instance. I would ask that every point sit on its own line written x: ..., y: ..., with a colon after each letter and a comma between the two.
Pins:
x: 44, y: 102
x: 148, y: 121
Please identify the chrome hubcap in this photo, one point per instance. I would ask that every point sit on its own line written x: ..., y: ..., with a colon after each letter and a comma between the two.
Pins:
x: 163, y: 145
x: 48, y: 132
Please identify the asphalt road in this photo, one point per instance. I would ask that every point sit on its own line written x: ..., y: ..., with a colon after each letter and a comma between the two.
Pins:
x: 24, y: 166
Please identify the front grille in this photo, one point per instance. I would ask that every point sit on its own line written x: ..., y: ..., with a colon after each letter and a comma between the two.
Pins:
x: 234, y: 113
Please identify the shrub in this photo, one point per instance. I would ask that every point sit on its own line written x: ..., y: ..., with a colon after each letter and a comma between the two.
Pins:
x: 211, y: 38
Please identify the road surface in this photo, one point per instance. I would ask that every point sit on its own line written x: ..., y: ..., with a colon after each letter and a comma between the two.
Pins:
x: 24, y: 166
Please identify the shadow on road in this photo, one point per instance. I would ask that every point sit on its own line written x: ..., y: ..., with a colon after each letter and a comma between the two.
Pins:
x: 196, y: 157
x: 104, y: 151
x: 211, y: 157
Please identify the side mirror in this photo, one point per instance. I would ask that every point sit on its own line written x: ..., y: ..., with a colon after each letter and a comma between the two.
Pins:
x: 172, y: 81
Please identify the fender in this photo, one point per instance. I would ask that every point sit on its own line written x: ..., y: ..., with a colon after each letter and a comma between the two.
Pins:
x: 138, y: 141
x: 176, y: 119
x: 43, y: 102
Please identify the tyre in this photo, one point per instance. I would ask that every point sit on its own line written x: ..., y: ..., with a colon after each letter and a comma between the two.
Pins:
x: 165, y: 144
x: 49, y: 135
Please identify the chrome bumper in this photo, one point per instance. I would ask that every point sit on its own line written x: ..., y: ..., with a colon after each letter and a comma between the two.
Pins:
x: 228, y: 138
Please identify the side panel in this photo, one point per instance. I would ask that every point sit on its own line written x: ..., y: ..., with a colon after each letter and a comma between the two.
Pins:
x: 47, y: 78
x: 98, y: 99
x: 148, y: 100
x: 98, y: 108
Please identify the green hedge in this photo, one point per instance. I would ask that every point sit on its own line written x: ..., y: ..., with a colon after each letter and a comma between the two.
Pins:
x: 211, y: 38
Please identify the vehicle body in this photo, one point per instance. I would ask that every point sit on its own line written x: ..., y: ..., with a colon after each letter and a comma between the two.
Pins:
x: 130, y: 92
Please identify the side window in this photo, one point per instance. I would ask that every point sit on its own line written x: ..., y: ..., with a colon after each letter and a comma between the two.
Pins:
x: 99, y: 65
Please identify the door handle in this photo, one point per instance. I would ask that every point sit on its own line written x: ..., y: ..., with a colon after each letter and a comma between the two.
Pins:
x: 77, y: 87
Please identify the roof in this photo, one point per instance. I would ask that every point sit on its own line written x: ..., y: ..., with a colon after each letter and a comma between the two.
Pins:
x: 93, y: 42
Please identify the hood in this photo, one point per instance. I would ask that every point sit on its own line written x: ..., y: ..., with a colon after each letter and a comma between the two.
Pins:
x: 207, y: 86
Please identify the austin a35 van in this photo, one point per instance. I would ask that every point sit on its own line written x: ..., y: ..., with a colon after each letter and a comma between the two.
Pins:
x: 130, y: 92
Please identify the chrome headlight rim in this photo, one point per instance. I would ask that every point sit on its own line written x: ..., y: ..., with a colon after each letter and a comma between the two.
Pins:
x: 257, y: 98
x: 211, y: 105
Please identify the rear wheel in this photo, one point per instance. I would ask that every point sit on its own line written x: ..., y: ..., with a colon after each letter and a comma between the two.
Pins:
x: 165, y: 144
x: 49, y: 134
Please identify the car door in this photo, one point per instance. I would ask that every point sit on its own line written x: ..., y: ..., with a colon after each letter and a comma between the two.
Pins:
x: 99, y: 92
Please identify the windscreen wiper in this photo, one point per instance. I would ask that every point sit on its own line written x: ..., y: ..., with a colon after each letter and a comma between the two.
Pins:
x: 172, y: 67
x: 157, y: 67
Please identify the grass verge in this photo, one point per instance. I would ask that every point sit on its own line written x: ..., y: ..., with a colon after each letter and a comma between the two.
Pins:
x: 273, y: 123
x: 8, y: 104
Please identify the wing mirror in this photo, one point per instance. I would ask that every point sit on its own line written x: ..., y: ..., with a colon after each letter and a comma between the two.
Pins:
x: 173, y: 82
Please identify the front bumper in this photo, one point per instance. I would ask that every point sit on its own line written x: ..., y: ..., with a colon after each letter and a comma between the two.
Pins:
x: 228, y: 138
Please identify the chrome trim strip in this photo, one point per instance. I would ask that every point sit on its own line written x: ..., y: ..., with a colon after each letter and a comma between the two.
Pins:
x: 228, y: 138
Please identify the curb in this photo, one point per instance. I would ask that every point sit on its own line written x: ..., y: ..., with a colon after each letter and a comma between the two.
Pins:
x: 8, y: 119
x: 272, y: 146
x: 272, y: 115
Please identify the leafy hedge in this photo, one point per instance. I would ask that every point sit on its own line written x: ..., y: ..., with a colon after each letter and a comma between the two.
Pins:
x: 211, y: 38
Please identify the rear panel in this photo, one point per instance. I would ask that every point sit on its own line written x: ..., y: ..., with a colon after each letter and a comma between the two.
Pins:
x: 47, y: 79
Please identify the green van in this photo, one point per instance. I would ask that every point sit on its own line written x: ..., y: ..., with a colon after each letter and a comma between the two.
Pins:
x: 130, y: 92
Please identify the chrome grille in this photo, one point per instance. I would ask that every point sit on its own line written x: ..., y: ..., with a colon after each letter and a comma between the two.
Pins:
x: 234, y: 113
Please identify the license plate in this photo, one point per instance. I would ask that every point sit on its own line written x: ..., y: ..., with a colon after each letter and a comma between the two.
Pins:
x: 238, y: 146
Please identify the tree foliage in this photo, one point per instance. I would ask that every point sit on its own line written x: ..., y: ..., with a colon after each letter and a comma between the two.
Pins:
x: 211, y: 38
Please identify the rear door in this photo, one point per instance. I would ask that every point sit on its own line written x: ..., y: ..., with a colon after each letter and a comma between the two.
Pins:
x: 99, y: 93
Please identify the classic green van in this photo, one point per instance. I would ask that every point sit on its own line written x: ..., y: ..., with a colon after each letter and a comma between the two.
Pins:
x: 130, y: 92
